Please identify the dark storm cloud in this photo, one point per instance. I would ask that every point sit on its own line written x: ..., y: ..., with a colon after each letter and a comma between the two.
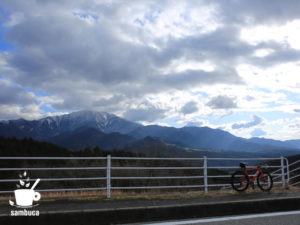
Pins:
x: 258, y: 11
x: 107, y: 63
x: 256, y: 120
x: 280, y: 54
x: 189, y: 107
x: 58, y: 58
x: 13, y: 95
x: 73, y: 50
x: 222, y: 102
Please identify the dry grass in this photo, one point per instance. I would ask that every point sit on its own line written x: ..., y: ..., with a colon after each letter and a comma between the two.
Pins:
x: 150, y: 194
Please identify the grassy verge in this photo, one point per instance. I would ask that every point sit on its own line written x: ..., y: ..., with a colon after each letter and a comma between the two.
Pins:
x: 153, y: 194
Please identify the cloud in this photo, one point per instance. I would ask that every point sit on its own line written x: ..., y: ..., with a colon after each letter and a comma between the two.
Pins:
x: 222, y: 102
x: 89, y: 55
x: 195, y: 124
x: 31, y: 111
x: 14, y: 95
x: 145, y: 112
x: 258, y: 132
x: 114, y: 55
x: 259, y: 12
x: 189, y: 107
x: 256, y: 120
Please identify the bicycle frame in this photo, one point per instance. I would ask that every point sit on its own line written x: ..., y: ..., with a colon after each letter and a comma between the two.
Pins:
x: 258, y: 171
x: 241, y: 179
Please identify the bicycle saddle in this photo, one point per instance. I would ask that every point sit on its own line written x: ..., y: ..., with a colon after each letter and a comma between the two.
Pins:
x: 243, y: 165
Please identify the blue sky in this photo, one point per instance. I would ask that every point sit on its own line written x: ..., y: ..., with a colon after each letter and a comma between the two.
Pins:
x: 232, y: 65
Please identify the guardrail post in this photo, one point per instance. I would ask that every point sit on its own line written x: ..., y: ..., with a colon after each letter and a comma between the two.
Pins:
x: 205, y: 174
x: 282, y: 172
x: 108, y: 169
x: 287, y: 170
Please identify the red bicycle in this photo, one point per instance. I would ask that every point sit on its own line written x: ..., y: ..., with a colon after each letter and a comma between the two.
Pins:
x: 240, y: 180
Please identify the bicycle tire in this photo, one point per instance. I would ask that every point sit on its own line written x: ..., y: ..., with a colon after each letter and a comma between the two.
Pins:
x: 265, y: 183
x: 239, y: 181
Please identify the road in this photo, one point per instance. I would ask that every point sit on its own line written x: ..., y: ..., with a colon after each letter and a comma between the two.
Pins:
x: 278, y: 218
x: 98, y: 211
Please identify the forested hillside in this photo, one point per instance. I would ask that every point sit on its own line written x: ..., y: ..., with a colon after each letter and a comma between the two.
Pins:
x: 28, y: 147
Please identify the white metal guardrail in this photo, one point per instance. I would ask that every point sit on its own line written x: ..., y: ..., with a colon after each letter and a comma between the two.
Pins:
x: 279, y: 169
x: 294, y: 180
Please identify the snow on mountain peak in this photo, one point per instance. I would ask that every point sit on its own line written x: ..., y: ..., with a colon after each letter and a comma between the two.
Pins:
x: 55, y: 125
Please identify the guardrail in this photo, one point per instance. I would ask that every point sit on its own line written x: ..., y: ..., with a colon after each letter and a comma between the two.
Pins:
x: 206, y: 169
x: 294, y: 179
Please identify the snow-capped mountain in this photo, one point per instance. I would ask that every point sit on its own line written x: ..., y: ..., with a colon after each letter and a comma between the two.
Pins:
x: 88, y: 128
x: 52, y: 126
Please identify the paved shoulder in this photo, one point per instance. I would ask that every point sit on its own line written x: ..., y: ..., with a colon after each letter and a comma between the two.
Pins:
x: 277, y: 218
x: 103, y: 211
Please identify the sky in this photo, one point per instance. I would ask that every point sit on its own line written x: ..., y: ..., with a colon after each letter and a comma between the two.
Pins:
x: 232, y: 65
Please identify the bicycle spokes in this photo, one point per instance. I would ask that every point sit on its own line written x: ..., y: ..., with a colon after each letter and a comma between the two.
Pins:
x: 264, y: 181
x: 239, y: 181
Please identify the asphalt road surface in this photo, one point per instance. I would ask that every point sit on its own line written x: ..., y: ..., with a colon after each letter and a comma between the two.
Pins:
x: 278, y: 218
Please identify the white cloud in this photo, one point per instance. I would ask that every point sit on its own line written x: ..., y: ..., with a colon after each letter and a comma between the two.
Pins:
x: 287, y: 34
x: 240, y: 57
x: 283, y: 76
x: 29, y: 112
x: 182, y: 65
x: 176, y: 20
x: 263, y: 52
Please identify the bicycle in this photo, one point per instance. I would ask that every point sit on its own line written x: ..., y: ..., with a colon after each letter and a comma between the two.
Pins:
x: 240, y: 179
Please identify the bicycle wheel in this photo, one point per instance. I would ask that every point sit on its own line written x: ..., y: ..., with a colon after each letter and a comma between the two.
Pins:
x: 265, y: 181
x: 239, y: 181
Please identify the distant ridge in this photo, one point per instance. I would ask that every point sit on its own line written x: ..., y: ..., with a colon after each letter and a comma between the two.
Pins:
x: 88, y: 128
x: 48, y: 127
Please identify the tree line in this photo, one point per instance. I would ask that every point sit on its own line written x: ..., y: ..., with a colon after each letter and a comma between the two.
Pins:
x: 29, y: 147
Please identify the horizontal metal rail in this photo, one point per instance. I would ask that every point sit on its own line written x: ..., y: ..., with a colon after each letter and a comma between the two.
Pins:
x: 61, y: 189
x: 225, y: 167
x: 203, y: 176
x: 278, y: 177
x: 246, y: 159
x: 58, y: 179
x: 277, y: 170
x: 154, y: 178
x: 156, y: 187
x: 293, y: 163
x: 52, y: 158
x: 156, y: 168
x: 125, y: 158
x: 295, y: 177
x: 151, y: 158
x: 54, y: 168
x: 219, y: 176
x: 276, y: 174
x: 218, y: 185
x: 294, y: 170
x: 237, y: 167
x: 294, y: 184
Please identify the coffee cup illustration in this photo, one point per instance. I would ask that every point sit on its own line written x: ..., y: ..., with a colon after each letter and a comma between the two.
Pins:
x: 25, y: 197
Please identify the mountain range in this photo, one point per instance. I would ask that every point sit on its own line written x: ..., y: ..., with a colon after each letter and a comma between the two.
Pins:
x: 82, y: 129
